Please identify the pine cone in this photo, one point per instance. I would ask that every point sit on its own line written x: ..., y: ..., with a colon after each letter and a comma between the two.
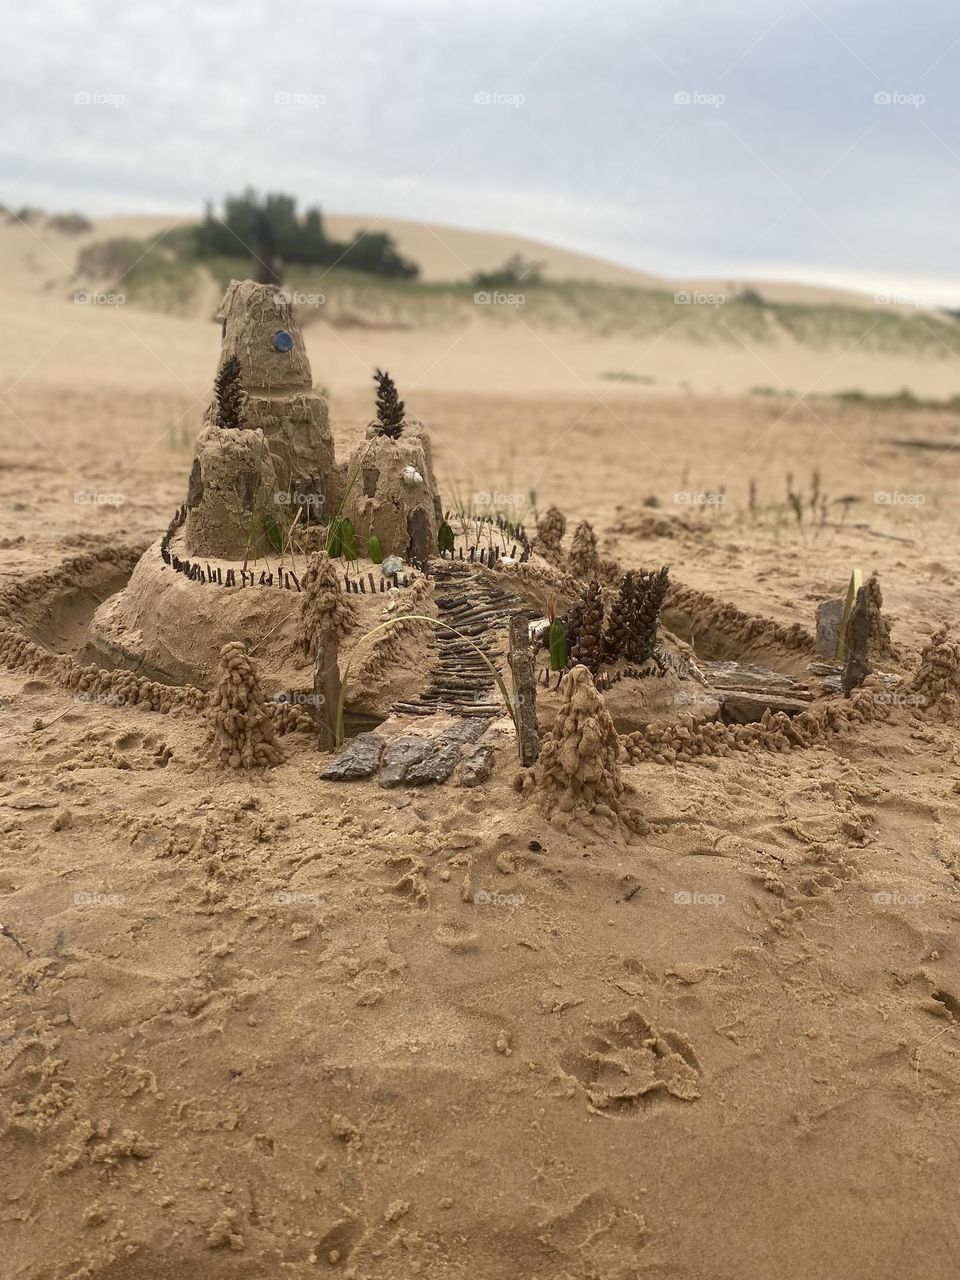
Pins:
x: 589, y: 639
x: 619, y: 625
x: 650, y: 597
x: 390, y: 408
x: 230, y: 396
x: 572, y: 621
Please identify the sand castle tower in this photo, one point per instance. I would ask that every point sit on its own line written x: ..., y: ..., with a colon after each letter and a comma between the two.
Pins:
x: 393, y: 491
x: 266, y: 441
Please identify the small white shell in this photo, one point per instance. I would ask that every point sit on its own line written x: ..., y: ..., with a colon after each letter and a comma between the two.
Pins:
x: 412, y: 476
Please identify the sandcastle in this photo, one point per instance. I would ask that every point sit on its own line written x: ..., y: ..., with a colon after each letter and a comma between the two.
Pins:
x: 239, y: 560
x: 291, y: 586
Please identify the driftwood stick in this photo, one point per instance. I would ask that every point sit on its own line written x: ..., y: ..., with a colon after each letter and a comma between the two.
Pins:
x: 856, y: 668
x: 326, y: 689
x: 520, y: 658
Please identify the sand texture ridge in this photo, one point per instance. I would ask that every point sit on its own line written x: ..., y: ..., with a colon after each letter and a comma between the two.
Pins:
x: 680, y: 998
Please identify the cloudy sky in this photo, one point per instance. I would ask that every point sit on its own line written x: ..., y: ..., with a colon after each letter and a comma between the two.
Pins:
x: 803, y: 140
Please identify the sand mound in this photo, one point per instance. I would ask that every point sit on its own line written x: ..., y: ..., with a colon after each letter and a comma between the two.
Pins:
x: 577, y: 775
x: 937, y: 679
x: 241, y: 732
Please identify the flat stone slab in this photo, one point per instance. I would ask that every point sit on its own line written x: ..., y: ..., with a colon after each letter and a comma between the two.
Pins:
x: 414, y: 759
x: 435, y: 767
x: 829, y: 619
x: 400, y: 757
x: 359, y: 759
x: 465, y: 731
x: 477, y: 767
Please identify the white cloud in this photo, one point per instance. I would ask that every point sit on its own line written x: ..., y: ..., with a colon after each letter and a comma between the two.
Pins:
x: 598, y: 155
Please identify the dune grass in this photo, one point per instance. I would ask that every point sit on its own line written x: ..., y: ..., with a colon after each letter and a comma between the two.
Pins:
x: 169, y: 276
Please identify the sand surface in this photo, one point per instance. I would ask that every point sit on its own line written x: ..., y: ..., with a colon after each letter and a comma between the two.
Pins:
x: 256, y: 1026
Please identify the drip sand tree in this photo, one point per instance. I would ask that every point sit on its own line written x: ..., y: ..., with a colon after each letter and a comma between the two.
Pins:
x: 241, y: 733
x: 577, y: 775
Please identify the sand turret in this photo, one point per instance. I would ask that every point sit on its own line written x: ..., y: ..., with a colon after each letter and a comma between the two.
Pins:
x: 266, y: 445
x: 393, y: 490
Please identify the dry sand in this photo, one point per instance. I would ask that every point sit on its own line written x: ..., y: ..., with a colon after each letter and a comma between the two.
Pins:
x: 251, y: 1026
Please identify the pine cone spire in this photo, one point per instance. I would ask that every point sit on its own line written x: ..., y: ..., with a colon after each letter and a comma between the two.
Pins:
x: 587, y: 648
x: 550, y: 530
x: 616, y: 637
x: 584, y: 562
x: 572, y: 622
x: 230, y: 396
x: 649, y: 601
x: 390, y: 407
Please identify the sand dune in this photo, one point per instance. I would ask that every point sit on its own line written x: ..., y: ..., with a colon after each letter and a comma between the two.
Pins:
x: 444, y: 253
x: 520, y: 351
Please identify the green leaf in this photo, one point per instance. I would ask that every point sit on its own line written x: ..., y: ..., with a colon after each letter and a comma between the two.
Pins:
x: 348, y: 540
x: 272, y: 530
x: 856, y: 582
x: 557, y: 638
x: 445, y: 540
x: 374, y: 549
x: 334, y: 540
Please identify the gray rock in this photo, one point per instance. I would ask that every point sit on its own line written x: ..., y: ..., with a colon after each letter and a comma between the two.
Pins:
x: 435, y: 767
x: 401, y: 755
x: 391, y: 565
x: 358, y: 759
x: 477, y: 767
x: 829, y: 618
x: 466, y: 730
